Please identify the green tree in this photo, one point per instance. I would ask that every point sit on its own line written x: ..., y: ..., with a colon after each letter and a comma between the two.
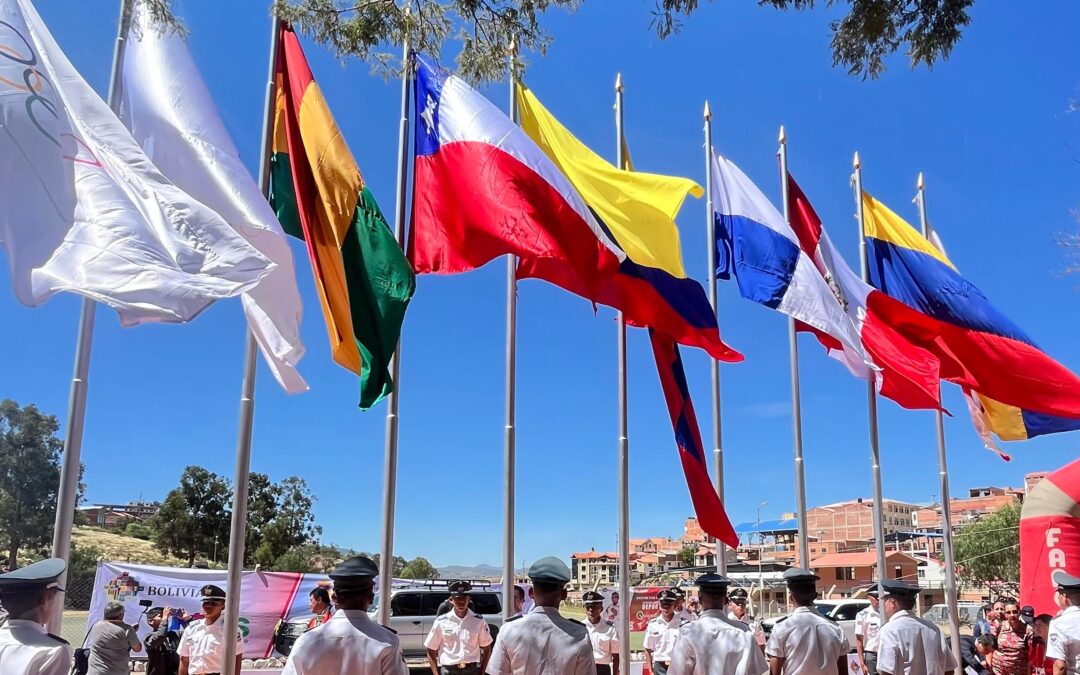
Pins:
x: 686, y: 556
x: 193, y: 515
x: 988, y: 550
x: 311, y: 558
x: 284, y: 519
x: 30, y: 454
x: 373, y: 30
x: 139, y: 531
x: 419, y: 568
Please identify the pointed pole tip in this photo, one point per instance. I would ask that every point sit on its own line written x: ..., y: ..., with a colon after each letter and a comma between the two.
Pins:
x: 919, y: 184
x: 618, y: 82
x: 856, y: 163
x: 783, y: 135
x: 708, y: 111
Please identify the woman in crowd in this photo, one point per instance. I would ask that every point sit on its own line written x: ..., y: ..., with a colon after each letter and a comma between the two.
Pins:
x: 110, y: 643
x: 1013, y: 641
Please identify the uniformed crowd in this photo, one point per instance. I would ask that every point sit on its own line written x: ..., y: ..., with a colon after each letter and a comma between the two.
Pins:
x: 720, y: 640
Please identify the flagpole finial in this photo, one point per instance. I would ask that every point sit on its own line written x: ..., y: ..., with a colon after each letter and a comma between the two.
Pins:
x: 919, y: 183
x: 856, y: 163
x: 513, y: 47
x: 708, y: 111
x: 783, y: 135
x: 618, y: 81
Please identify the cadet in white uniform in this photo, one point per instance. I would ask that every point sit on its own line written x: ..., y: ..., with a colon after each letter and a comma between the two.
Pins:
x: 662, y: 633
x: 28, y: 594
x: 867, y: 626
x: 350, y: 643
x: 202, y: 646
x: 680, y: 605
x: 459, y: 641
x: 603, y: 636
x: 715, y: 644
x: 543, y: 642
x: 1063, y: 642
x: 806, y: 643
x: 908, y: 645
x: 737, y: 600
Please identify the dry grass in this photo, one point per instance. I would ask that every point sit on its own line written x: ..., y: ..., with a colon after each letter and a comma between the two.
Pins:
x: 121, y: 548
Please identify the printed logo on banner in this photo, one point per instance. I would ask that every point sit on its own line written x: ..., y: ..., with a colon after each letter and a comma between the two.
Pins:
x: 122, y: 588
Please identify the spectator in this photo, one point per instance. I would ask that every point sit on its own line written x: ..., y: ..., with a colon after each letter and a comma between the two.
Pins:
x: 519, y: 599
x: 969, y: 654
x: 110, y: 643
x: 1040, y: 665
x: 161, y: 643
x: 984, y: 625
x: 319, y: 602
x: 986, y: 647
x: 1013, y: 638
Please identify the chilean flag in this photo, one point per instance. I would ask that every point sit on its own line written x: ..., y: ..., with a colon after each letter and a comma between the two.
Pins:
x: 482, y: 189
x: 707, y: 505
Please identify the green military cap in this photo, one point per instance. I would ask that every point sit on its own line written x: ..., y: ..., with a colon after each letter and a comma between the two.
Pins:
x: 550, y: 569
x: 42, y: 574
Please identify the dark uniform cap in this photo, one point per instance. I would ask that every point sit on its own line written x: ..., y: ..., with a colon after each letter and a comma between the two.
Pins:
x: 41, y: 574
x: 680, y: 593
x: 713, y: 583
x: 356, y: 573
x: 212, y: 592
x: 899, y: 589
x: 592, y: 597
x: 1065, y: 581
x: 873, y: 592
x: 799, y: 577
x: 550, y: 569
x: 459, y: 589
x: 737, y: 594
x: 1027, y: 614
x: 667, y: 595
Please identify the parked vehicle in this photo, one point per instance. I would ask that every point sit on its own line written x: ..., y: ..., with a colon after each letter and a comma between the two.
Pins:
x: 413, y: 612
x: 841, y: 611
x: 969, y: 614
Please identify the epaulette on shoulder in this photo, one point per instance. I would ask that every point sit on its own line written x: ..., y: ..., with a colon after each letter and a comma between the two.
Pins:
x: 513, y: 618
x: 575, y: 621
x: 58, y: 639
x: 478, y: 616
x: 389, y: 629
x: 610, y: 623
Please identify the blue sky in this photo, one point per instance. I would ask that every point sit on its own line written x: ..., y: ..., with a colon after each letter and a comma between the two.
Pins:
x: 989, y: 128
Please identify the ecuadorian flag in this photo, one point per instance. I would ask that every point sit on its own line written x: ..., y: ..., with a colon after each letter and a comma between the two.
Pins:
x: 362, y: 277
x: 1024, y: 391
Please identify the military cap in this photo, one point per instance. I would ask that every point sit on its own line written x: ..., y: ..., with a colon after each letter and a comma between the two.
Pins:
x: 667, y: 595
x: 357, y: 573
x: 873, y: 592
x: 713, y: 583
x: 1065, y: 581
x: 737, y: 594
x: 42, y: 574
x: 459, y: 589
x: 211, y: 592
x: 797, y: 576
x: 550, y: 569
x: 678, y: 592
x: 592, y: 597
x: 898, y: 589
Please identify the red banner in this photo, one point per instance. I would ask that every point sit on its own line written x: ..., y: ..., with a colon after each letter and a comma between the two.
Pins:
x: 644, y: 606
x: 1049, y: 536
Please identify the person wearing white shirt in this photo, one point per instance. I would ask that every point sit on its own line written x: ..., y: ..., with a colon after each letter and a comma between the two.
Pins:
x: 716, y: 644
x: 806, y: 643
x: 459, y: 641
x: 602, y: 635
x: 661, y: 634
x: 29, y: 594
x: 1063, y: 641
x: 349, y: 643
x: 542, y: 641
x: 737, y: 601
x: 867, y: 626
x: 680, y: 605
x: 908, y: 645
x: 202, y: 646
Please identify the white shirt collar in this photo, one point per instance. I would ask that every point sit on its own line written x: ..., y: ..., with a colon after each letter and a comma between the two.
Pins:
x: 28, y: 624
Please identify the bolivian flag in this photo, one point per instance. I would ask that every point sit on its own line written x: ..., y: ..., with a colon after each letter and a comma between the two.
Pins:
x: 362, y: 276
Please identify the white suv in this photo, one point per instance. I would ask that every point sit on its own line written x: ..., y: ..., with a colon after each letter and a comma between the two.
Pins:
x: 413, y: 612
x: 841, y: 611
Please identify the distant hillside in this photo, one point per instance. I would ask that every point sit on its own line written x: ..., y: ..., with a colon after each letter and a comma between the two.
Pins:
x: 475, y: 572
x: 121, y: 548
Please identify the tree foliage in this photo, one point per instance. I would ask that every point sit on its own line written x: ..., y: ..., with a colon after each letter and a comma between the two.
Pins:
x: 988, y: 550
x: 420, y: 568
x: 193, y: 515
x: 311, y: 558
x: 871, y: 31
x: 686, y: 556
x: 284, y: 519
x: 30, y: 453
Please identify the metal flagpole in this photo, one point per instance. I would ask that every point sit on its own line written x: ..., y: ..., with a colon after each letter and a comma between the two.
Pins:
x: 386, y: 552
x: 796, y: 402
x: 943, y: 476
x: 510, y: 440
x: 871, y: 396
x: 76, y: 417
x: 624, y: 442
x: 710, y: 225
x: 238, y: 525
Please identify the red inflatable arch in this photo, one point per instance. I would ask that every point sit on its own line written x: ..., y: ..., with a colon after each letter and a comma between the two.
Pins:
x: 1049, y: 536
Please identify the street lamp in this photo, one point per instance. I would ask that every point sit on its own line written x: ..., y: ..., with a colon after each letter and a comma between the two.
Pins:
x: 761, y: 577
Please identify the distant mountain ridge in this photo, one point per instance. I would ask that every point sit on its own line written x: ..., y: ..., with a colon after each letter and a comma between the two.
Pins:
x: 474, y: 572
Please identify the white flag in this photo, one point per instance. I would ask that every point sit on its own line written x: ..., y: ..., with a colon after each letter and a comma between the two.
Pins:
x: 83, y: 209
x: 170, y: 113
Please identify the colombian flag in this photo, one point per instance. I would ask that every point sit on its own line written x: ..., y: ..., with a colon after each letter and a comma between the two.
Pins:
x: 979, y: 347
x: 638, y: 211
x: 362, y: 277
